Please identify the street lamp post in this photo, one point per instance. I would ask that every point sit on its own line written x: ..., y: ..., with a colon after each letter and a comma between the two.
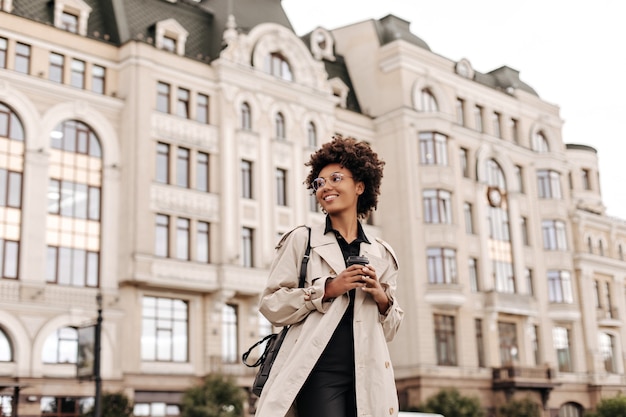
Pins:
x: 96, y: 364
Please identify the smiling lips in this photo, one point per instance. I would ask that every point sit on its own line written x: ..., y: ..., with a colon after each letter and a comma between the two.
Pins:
x: 330, y: 197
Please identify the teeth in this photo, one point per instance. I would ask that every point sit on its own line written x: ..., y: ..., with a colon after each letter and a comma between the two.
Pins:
x: 330, y: 197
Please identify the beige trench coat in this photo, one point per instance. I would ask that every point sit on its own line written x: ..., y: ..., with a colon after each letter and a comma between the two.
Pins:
x: 313, y: 322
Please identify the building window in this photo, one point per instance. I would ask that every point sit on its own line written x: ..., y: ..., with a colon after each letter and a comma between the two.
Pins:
x: 561, y: 340
x: 523, y: 221
x: 534, y: 341
x: 509, y: 351
x: 246, y: 179
x: 469, y: 218
x: 480, y: 342
x: 540, y: 143
x: 519, y: 175
x: 163, y: 97
x: 589, y: 245
x: 203, y: 240
x: 230, y: 331
x: 554, y: 237
x: 607, y: 350
x: 182, y: 167
x: 3, y: 52
x: 22, y: 58
x: 97, y: 79
x: 277, y: 65
x: 155, y: 408
x: 202, y: 108
x: 55, y: 70
x: 163, y: 163
x: 513, y: 129
x: 281, y: 187
x: 437, y: 206
x: 441, y: 266
x: 247, y: 240
x: 313, y: 204
x: 560, y: 287
x: 620, y: 252
x: 61, y: 346
x: 463, y: 157
x: 11, y: 165
x: 503, y: 273
x: 182, y: 238
x: 182, y: 103
x: 246, y: 116
x: 164, y: 334
x: 445, y: 340
x: 169, y: 44
x: 74, y: 194
x: 66, y: 406
x: 460, y: 111
x: 549, y: 184
x: 473, y: 274
x: 162, y: 236
x: 497, y: 125
x: 6, y: 349
x: 600, y: 248
x: 570, y: 410
x: 78, y: 74
x: 311, y: 132
x: 279, y: 126
x: 530, y: 285
x: 433, y: 148
x: 69, y: 22
x: 586, y: 179
x: 202, y: 171
x: 478, y: 118
x: 428, y: 101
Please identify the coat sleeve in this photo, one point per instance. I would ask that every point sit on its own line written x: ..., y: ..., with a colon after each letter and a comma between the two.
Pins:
x: 283, y: 302
x: 392, y: 318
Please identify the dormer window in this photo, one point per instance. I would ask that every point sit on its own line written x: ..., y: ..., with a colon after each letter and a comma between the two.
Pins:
x: 71, y: 15
x: 277, y: 65
x: 171, y: 36
x: 340, y: 89
x: 322, y: 45
x: 69, y: 22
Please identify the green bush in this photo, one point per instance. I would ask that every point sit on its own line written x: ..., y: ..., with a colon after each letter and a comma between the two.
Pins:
x: 218, y: 396
x: 113, y: 404
x: 450, y: 403
x: 519, y: 408
x: 610, y: 407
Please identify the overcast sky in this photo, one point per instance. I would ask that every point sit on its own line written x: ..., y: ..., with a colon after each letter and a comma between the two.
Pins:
x: 572, y: 52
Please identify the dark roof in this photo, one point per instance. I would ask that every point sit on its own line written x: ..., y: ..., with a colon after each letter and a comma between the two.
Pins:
x: 338, y: 69
x: 391, y: 28
x: 118, y: 21
x: 575, y: 146
x: 504, y: 78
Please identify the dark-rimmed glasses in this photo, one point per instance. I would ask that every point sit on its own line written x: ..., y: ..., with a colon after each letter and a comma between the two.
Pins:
x: 334, y: 178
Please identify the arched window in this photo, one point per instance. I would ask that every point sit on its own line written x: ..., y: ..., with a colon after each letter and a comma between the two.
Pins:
x: 600, y: 248
x: 570, y: 410
x: 589, y: 245
x: 620, y: 252
x: 74, y: 191
x: 607, y: 350
x: 6, y: 350
x: 246, y: 116
x: 279, y: 126
x: 61, y: 346
x: 11, y: 172
x: 540, y: 143
x: 311, y: 132
x: 428, y: 101
x: 277, y: 65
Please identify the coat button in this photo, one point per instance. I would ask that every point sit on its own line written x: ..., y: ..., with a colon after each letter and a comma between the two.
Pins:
x: 387, y: 364
x: 391, y: 411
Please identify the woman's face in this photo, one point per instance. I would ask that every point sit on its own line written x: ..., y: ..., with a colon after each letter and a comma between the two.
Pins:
x: 337, y: 191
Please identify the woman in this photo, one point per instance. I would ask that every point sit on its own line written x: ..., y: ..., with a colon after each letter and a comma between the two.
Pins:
x: 334, y: 361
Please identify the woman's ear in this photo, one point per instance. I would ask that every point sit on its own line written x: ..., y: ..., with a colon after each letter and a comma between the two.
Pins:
x: 360, y: 187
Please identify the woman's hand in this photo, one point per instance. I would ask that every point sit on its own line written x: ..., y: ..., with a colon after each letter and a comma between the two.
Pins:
x: 358, y: 276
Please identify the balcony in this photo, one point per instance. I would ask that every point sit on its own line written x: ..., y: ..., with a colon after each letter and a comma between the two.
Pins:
x: 512, y: 378
x: 608, y: 317
x: 445, y: 295
x: 519, y: 304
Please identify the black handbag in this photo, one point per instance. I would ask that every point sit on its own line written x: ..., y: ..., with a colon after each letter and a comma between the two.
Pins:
x: 274, y: 340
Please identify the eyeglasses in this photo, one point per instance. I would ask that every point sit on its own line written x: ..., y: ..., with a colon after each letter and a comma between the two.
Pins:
x: 334, y: 178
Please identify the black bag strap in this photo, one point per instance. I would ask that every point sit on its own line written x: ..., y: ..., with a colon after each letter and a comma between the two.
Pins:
x: 301, y: 280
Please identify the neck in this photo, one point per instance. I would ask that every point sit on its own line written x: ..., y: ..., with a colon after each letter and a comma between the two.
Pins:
x: 347, y: 225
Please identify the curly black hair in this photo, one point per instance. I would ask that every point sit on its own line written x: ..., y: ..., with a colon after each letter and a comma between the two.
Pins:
x: 356, y: 156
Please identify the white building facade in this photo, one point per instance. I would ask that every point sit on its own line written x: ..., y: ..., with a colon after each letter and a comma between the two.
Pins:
x: 152, y: 153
